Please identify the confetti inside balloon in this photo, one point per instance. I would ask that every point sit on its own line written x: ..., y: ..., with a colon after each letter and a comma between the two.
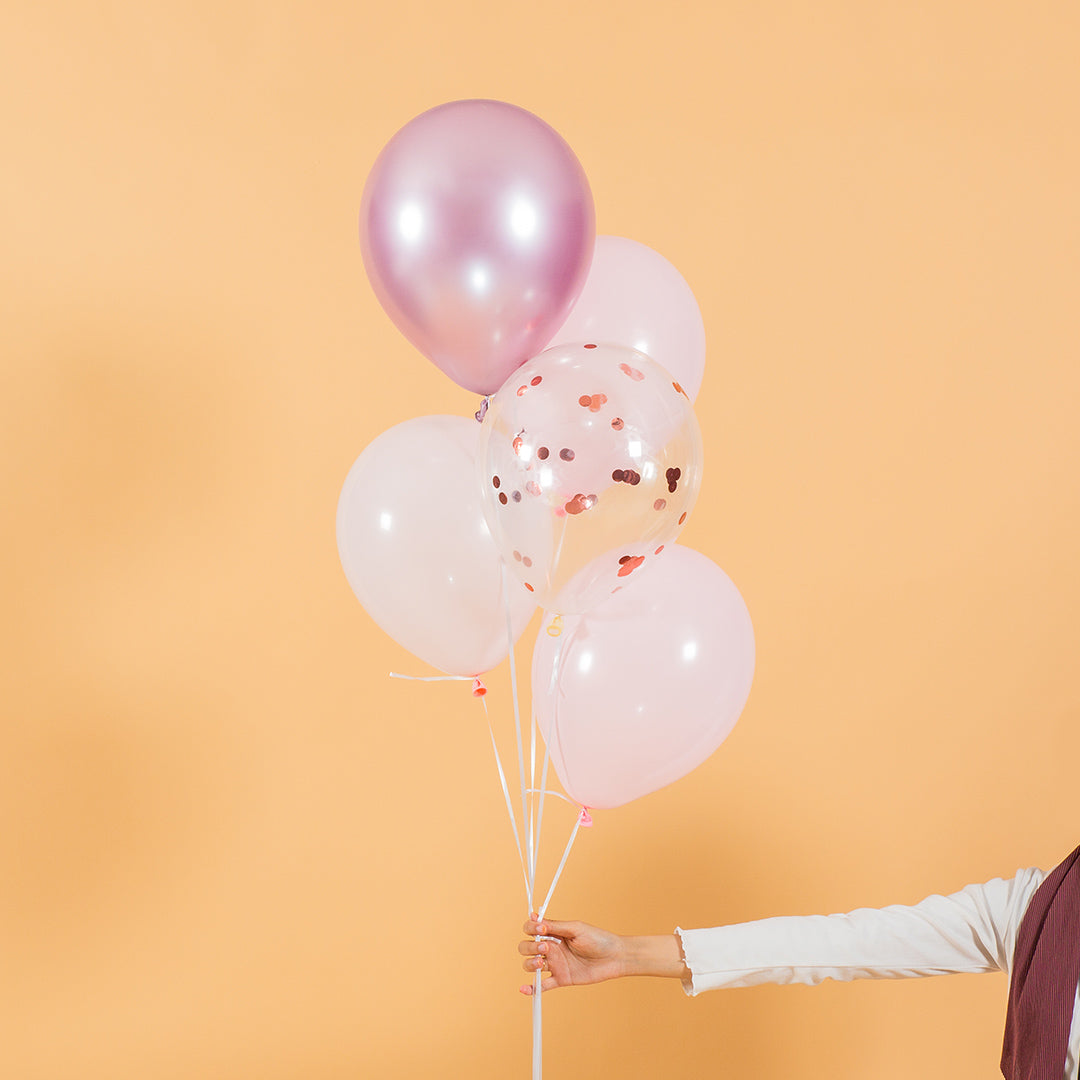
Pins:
x: 604, y: 456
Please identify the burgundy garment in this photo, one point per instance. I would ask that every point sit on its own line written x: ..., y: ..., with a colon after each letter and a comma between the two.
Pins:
x: 1046, y: 969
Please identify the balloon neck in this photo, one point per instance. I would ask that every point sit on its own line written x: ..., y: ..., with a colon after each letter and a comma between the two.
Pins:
x: 482, y: 411
x: 586, y: 818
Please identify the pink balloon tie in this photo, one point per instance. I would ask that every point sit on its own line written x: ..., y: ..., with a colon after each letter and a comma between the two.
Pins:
x: 482, y: 411
x: 586, y: 818
x: 478, y: 688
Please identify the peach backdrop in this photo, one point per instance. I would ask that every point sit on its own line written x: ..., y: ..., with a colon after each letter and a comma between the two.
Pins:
x: 230, y: 847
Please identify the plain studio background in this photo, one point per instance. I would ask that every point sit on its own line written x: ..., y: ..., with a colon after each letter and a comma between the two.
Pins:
x: 230, y: 846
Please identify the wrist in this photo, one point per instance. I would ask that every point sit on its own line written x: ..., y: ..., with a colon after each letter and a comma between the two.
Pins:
x: 658, y: 955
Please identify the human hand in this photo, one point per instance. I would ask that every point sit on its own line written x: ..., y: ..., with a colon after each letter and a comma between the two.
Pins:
x: 574, y: 953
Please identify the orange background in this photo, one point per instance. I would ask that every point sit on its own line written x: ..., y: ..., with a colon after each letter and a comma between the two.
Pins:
x: 230, y: 847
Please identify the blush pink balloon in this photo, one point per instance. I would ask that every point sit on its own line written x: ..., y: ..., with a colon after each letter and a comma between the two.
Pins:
x: 635, y: 297
x: 477, y: 227
x: 416, y: 550
x: 643, y: 688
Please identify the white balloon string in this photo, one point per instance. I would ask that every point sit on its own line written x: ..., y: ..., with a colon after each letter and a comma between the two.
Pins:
x: 517, y: 715
x: 552, y: 693
x: 480, y: 691
x: 538, y: 1030
x: 432, y: 678
x: 534, y: 832
x: 562, y: 862
x: 506, y: 795
x: 554, y: 794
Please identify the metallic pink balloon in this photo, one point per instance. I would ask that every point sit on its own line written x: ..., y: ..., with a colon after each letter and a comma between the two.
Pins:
x: 477, y: 229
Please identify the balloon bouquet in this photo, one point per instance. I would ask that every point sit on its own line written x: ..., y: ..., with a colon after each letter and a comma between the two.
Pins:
x: 478, y: 236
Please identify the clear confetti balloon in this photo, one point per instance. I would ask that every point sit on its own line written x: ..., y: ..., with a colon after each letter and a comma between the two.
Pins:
x: 591, y: 461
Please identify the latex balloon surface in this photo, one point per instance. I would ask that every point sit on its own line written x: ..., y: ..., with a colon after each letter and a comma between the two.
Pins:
x: 477, y: 227
x: 416, y: 549
x: 637, y: 692
x: 590, y: 463
x: 635, y: 297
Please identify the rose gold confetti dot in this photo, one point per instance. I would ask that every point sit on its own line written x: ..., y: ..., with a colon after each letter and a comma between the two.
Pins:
x: 659, y: 504
x: 584, y: 401
x: 521, y: 390
x: 624, y: 559
x: 517, y: 556
x: 526, y: 560
x: 529, y: 587
x: 590, y: 346
x: 536, y: 380
x: 542, y: 453
x: 516, y: 496
x: 682, y: 519
x: 532, y: 487
x: 496, y: 481
x: 502, y: 497
x: 617, y: 476
x: 634, y: 374
x: 517, y: 444
x: 617, y: 423
x: 659, y: 549
x: 566, y: 454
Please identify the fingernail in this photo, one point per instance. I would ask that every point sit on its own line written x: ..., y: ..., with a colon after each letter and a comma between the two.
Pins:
x: 541, y: 929
x: 542, y: 947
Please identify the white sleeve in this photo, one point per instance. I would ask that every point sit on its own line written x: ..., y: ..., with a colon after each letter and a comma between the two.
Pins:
x: 973, y: 930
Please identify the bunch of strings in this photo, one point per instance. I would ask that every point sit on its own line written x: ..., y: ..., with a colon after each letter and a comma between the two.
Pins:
x: 531, y: 800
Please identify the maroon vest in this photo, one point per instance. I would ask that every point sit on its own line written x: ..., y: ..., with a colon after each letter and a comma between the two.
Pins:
x: 1046, y: 969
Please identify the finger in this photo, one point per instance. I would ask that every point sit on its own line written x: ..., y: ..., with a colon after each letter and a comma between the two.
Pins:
x: 565, y: 930
x: 529, y: 947
x: 533, y: 963
x: 548, y: 984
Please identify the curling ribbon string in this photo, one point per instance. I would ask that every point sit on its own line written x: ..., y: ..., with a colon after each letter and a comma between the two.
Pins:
x: 479, y: 690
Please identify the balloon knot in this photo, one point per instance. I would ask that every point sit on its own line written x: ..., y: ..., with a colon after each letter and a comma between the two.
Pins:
x: 586, y: 818
x: 482, y: 411
x: 478, y: 688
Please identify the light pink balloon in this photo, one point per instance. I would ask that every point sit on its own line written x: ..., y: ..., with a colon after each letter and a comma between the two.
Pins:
x: 635, y: 297
x: 477, y: 227
x: 416, y: 550
x: 637, y: 692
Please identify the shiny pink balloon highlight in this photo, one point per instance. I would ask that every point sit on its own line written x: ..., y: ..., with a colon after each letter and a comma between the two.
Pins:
x: 477, y: 228
x: 640, y: 690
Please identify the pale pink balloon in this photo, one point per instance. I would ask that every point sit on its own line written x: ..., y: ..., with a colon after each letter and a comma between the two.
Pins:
x: 477, y: 228
x: 416, y: 550
x: 591, y: 461
x: 633, y: 296
x: 637, y: 692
